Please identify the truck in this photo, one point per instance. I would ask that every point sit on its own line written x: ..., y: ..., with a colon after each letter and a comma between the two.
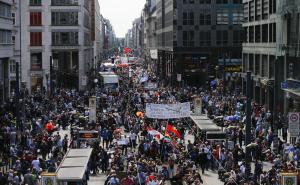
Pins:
x: 109, y: 80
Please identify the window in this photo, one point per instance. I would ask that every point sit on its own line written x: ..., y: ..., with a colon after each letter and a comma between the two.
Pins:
x: 36, y: 61
x: 222, y: 17
x: 222, y: 1
x: 35, y: 2
x: 204, y: 1
x: 188, y: 18
x: 5, y: 37
x: 188, y: 38
x: 13, y: 16
x: 222, y: 37
x: 35, y: 18
x: 64, y: 2
x: 205, y: 18
x: 238, y: 37
x: 13, y: 39
x: 237, y: 1
x: 64, y: 38
x: 238, y: 17
x: 12, y: 66
x: 64, y: 18
x: 205, y: 38
x: 5, y: 10
x: 188, y: 1
x: 35, y: 38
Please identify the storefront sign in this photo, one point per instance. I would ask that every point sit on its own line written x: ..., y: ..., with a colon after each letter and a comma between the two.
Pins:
x: 168, y: 111
x: 290, y: 85
x: 233, y: 69
x: 154, y: 54
x: 178, y: 77
x: 88, y: 135
x: 93, y: 109
x: 84, y: 80
x: 294, y: 124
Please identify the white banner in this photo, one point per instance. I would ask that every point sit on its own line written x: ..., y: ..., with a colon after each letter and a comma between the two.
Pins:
x: 151, y: 86
x: 168, y: 111
x: 294, y: 124
x: 93, y: 109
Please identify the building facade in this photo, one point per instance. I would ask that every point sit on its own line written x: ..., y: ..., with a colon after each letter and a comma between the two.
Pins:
x: 260, y: 49
x: 195, y: 36
x: 109, y: 39
x: 289, y: 46
x: 96, y: 33
x: 128, y: 39
x: 58, y: 33
x: 6, y: 49
x: 150, y: 23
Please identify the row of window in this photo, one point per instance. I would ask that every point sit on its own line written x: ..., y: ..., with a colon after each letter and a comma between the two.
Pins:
x: 64, y: 18
x: 54, y: 2
x: 58, y: 38
x: 57, y: 18
x: 222, y: 38
x: 5, y: 37
x: 205, y: 18
x: 5, y: 10
x: 209, y: 1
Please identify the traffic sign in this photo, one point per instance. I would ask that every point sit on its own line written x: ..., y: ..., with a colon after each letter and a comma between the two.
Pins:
x: 294, y: 124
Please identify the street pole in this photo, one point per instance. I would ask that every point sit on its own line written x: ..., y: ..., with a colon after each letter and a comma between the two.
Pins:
x: 248, y: 124
x: 50, y: 76
x: 224, y: 74
x: 17, y: 98
x: 275, y: 110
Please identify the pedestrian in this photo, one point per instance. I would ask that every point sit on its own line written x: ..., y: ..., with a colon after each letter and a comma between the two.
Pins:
x: 202, y: 160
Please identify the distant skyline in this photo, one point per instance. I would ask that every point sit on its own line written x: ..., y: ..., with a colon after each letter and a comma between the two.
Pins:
x: 121, y: 13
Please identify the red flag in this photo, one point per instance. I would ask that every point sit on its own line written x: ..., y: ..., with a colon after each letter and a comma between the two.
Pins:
x: 127, y: 50
x: 172, y: 129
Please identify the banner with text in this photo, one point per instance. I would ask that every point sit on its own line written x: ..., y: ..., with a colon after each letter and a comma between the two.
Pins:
x: 168, y: 111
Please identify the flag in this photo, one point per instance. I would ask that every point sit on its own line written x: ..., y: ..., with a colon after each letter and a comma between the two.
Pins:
x: 171, y: 129
x: 155, y: 133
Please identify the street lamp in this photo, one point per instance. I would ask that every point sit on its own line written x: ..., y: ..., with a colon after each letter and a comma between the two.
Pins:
x: 97, y: 88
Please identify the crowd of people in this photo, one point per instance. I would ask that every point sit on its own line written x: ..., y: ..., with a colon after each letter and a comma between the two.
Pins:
x: 135, y: 150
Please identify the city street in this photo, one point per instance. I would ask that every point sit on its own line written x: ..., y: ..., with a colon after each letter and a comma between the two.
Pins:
x: 149, y: 92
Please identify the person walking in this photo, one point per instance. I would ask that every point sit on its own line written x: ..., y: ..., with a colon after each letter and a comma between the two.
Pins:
x: 202, y: 160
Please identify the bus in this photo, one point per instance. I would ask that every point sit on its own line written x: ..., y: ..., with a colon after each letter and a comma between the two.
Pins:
x: 109, y: 80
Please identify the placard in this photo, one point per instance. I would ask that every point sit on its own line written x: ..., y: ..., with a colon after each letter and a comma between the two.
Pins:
x: 289, y: 179
x: 48, y: 179
x: 168, y: 111
x: 198, y: 106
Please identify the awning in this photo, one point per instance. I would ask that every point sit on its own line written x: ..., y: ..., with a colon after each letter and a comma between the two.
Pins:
x: 205, y: 124
x: 293, y: 91
x: 74, y: 165
x: 70, y: 174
